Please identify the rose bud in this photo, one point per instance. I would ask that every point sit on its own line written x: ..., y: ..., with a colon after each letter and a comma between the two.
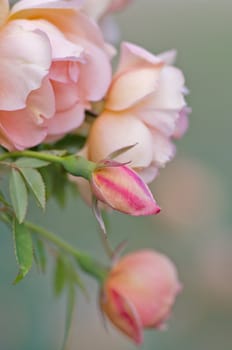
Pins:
x: 122, y: 189
x: 139, y: 292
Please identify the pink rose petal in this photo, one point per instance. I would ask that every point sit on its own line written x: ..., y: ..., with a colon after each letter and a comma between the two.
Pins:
x: 25, y: 60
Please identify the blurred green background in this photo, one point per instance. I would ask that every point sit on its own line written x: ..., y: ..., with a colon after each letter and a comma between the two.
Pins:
x: 194, y: 227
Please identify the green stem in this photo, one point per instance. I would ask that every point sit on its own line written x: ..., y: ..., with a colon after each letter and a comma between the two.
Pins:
x: 32, y: 154
x: 75, y: 165
x: 87, y: 263
x: 51, y: 237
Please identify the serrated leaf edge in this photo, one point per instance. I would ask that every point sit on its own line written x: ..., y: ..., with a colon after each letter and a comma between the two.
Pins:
x: 42, y: 203
x: 20, y: 274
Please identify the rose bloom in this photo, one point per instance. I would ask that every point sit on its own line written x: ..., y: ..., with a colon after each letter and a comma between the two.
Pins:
x: 145, y: 106
x: 54, y: 62
x: 139, y: 292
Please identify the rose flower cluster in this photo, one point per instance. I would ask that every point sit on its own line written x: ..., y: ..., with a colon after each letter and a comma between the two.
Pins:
x: 57, y: 79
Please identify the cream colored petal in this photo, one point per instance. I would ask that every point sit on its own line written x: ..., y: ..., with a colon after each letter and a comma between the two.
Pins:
x: 130, y: 88
x: 112, y: 131
x: 169, y: 94
x: 163, y: 149
x: 134, y: 56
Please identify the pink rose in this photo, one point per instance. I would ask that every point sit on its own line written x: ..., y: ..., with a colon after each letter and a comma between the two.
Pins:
x: 145, y: 105
x: 60, y: 67
x: 139, y: 292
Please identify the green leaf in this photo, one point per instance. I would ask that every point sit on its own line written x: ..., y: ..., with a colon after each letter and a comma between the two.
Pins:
x: 35, y: 181
x: 55, y: 152
x: 59, y: 187
x: 18, y: 194
x: 56, y: 183
x: 60, y: 275
x: 78, y: 281
x: 3, y: 200
x: 40, y: 254
x: 71, y: 142
x: 47, y: 175
x: 75, y: 278
x: 69, y: 312
x: 31, y: 163
x: 23, y: 249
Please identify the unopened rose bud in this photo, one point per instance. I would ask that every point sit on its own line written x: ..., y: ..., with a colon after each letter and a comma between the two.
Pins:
x: 139, y: 293
x: 122, y: 189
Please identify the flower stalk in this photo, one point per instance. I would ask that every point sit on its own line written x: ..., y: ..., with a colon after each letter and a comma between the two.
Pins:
x: 32, y: 154
x: 86, y: 262
x: 75, y: 165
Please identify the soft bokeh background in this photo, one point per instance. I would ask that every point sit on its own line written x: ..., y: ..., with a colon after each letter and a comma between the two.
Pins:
x: 195, y: 191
